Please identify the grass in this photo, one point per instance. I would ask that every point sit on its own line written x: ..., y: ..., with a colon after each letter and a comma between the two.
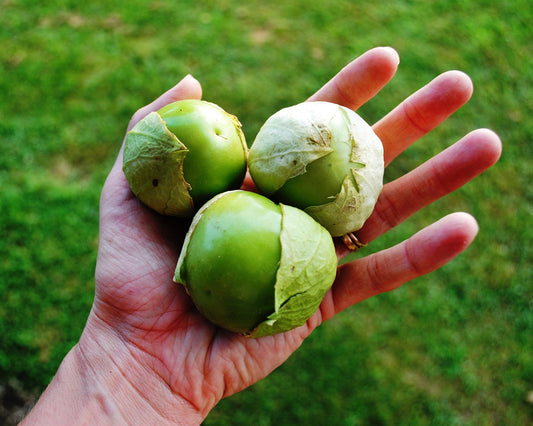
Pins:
x: 450, y: 348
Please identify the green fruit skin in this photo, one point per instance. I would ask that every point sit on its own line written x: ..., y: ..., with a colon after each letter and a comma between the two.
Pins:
x: 232, y: 260
x: 217, y: 155
x: 323, y: 177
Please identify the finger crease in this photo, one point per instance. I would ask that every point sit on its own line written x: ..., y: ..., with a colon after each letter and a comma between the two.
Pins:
x: 414, y: 116
x: 414, y: 267
x: 386, y: 212
x: 374, y: 275
x: 346, y: 100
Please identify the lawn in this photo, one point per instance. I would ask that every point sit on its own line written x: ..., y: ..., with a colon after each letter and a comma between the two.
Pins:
x: 454, y: 347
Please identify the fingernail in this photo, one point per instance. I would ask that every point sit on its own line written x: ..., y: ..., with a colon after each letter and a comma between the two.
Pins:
x: 188, y: 77
x: 394, y: 52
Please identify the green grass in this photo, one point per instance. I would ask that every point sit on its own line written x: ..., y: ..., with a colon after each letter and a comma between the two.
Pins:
x: 450, y: 348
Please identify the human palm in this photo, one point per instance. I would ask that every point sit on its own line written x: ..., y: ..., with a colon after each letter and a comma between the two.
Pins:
x: 152, y: 321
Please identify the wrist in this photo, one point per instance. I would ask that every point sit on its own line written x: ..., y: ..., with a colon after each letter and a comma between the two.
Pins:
x: 101, y: 381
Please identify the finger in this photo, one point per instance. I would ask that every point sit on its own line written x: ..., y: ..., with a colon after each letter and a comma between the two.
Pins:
x: 187, y: 88
x: 439, y: 176
x: 361, y: 79
x: 422, y: 111
x: 386, y: 270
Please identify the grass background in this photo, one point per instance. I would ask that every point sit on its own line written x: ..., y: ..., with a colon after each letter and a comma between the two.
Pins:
x: 454, y: 347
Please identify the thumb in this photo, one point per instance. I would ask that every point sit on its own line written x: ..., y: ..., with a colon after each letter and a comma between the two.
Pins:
x: 187, y: 88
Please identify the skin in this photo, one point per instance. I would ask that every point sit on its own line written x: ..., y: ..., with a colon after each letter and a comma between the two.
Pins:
x: 147, y: 357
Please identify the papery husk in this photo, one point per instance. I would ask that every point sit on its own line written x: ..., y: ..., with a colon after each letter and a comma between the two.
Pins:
x: 307, y: 270
x: 153, y: 164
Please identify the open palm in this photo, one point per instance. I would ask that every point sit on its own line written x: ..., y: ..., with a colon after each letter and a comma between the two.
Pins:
x: 168, y: 353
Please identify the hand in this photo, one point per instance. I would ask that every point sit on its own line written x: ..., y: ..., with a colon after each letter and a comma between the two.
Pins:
x: 146, y: 352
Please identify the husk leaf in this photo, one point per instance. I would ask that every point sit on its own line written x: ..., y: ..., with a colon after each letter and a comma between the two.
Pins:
x: 153, y: 165
x: 352, y: 206
x: 284, y: 146
x: 307, y: 270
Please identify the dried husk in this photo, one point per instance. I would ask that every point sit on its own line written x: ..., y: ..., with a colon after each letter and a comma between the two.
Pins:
x: 297, y: 136
x: 153, y: 164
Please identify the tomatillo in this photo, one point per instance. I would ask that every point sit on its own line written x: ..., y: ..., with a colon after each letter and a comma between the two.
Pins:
x: 323, y: 158
x: 255, y: 267
x: 177, y: 158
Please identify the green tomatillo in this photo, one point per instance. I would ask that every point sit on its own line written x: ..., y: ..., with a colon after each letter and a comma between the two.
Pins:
x: 323, y: 158
x: 255, y: 267
x: 177, y: 158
